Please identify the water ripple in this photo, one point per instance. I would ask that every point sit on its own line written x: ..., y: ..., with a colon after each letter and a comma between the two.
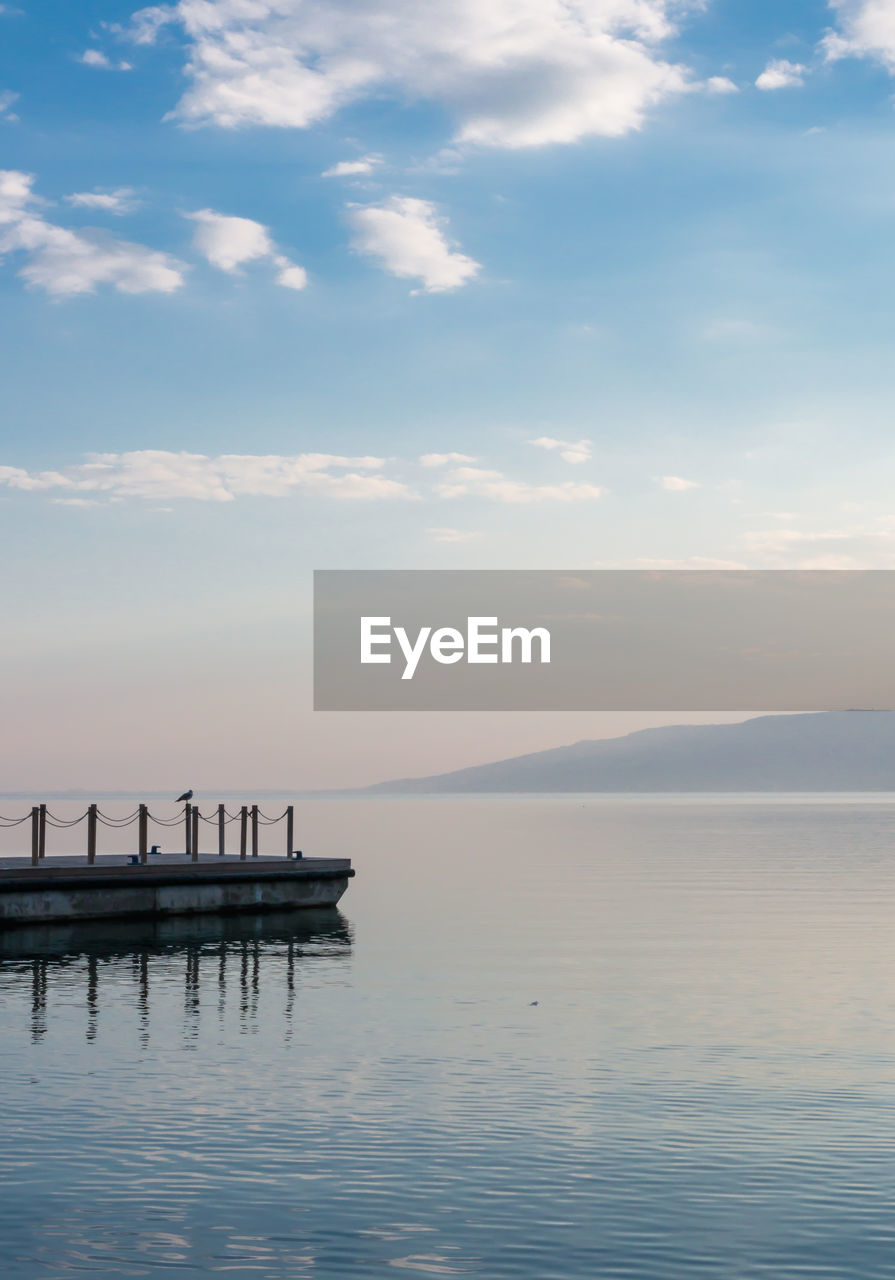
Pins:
x: 705, y: 1087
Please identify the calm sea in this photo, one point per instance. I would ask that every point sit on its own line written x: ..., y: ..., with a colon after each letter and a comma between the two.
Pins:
x: 633, y: 1037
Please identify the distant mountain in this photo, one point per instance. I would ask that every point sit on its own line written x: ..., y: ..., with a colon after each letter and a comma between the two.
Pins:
x: 826, y: 751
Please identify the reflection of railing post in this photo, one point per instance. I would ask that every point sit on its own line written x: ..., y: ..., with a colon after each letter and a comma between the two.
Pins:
x: 188, y: 828
x: 91, y: 835
x: 35, y: 835
x: 222, y: 842
x: 143, y: 827
x: 290, y: 823
x: 42, y: 851
x: 195, y: 844
x: 254, y: 831
x: 243, y: 825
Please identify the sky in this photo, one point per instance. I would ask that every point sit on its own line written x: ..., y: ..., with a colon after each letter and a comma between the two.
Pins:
x: 288, y: 285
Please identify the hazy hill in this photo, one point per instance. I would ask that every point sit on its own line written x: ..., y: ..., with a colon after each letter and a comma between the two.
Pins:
x: 827, y: 751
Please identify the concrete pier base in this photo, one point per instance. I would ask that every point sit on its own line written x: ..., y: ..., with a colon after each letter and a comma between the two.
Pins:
x: 65, y: 889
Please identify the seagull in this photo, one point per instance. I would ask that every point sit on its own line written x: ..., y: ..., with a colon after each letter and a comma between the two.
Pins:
x: 187, y: 795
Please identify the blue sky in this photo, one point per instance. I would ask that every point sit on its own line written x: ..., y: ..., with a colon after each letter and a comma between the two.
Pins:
x: 619, y: 271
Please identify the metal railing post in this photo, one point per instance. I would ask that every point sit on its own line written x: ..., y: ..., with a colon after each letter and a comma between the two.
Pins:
x: 290, y: 828
x: 195, y: 845
x: 254, y: 831
x: 35, y: 835
x: 243, y: 824
x: 222, y: 833
x: 188, y: 828
x: 42, y: 851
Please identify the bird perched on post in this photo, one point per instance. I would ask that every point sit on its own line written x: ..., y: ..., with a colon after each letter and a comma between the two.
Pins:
x: 187, y: 796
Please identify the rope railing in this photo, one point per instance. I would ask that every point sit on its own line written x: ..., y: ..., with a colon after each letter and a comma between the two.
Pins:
x: 53, y: 821
x: 249, y: 817
x: 109, y: 821
x: 270, y: 822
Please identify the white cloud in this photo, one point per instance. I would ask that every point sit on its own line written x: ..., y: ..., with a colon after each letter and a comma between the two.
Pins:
x: 159, y: 475
x: 866, y: 30
x: 63, y: 262
x: 352, y: 168
x: 475, y: 482
x: 146, y: 23
x: 443, y: 459
x: 721, y: 84
x: 96, y: 58
x: 452, y: 535
x: 677, y: 484
x: 858, y: 547
x: 780, y: 539
x: 780, y: 74
x: 407, y: 237
x: 15, y: 194
x: 688, y: 562
x: 122, y: 200
x: 511, y: 73
x: 228, y: 242
x: 7, y: 99
x: 579, y: 451
x: 289, y: 274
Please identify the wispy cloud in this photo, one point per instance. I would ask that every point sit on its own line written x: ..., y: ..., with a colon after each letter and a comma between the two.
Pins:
x: 353, y: 168
x: 863, y: 546
x: 64, y: 262
x: 684, y: 562
x: 407, y: 237
x: 8, y: 98
x: 720, y: 85
x: 780, y: 74
x: 737, y: 329
x: 229, y: 242
x: 476, y: 482
x: 96, y: 58
x: 452, y: 535
x: 159, y: 475
x: 444, y: 459
x: 121, y: 200
x: 574, y: 452
x: 677, y: 484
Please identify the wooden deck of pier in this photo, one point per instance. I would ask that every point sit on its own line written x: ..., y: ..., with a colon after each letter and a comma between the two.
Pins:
x: 184, y: 862
x: 113, y: 885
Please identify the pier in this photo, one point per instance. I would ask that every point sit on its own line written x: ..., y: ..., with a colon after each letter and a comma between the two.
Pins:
x: 46, y: 888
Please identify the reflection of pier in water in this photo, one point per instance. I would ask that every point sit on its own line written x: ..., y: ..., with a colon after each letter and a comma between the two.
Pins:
x: 215, y: 952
